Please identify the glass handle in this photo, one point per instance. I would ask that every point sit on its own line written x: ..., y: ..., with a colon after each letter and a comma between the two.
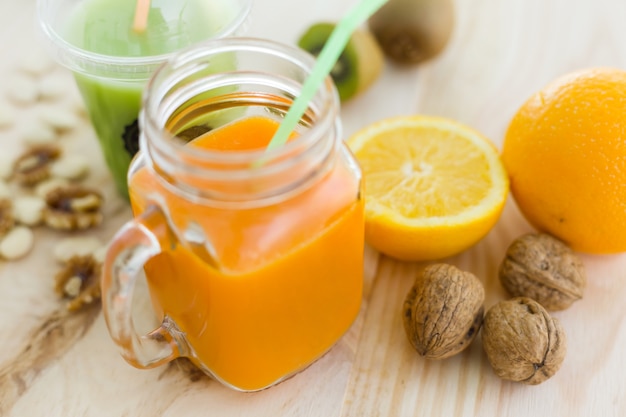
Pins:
x: 133, y: 245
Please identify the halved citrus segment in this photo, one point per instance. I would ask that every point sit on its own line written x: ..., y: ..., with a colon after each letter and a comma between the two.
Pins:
x: 433, y: 187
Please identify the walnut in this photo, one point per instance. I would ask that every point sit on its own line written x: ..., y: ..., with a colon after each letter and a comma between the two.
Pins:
x: 7, y: 221
x: 543, y: 268
x: 73, y: 207
x: 79, y: 281
x: 443, y: 311
x: 522, y: 342
x: 34, y: 165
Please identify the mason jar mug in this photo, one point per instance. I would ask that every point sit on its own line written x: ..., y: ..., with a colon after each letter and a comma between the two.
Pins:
x: 253, y: 257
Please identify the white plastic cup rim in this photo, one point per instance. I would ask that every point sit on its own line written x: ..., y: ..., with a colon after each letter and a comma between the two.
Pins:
x: 83, y: 61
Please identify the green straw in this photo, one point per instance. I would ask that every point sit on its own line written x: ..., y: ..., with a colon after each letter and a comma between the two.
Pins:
x: 324, y: 64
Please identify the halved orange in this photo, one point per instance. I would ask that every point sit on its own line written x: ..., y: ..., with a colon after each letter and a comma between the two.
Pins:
x: 433, y: 187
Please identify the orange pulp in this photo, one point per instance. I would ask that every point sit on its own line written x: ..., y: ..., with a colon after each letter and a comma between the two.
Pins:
x: 284, y: 282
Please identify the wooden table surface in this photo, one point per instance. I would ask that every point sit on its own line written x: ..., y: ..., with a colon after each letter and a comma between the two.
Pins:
x: 501, y: 51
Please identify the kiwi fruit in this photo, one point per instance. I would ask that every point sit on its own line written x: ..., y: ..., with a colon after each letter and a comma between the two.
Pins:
x: 358, y: 66
x: 413, y: 31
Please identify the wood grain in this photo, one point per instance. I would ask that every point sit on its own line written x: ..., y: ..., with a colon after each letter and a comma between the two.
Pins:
x: 49, y: 341
x: 501, y: 51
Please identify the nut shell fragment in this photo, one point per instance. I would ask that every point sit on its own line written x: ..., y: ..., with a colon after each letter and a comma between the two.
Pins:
x: 73, y: 208
x: 79, y: 281
x: 34, y: 165
x: 522, y: 342
x: 545, y: 269
x: 443, y: 311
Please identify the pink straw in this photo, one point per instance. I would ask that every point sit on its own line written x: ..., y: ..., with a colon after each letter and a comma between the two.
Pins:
x: 141, y: 16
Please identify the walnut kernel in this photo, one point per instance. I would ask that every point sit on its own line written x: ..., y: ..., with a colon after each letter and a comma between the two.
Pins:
x: 443, y: 311
x: 79, y: 281
x: 545, y: 269
x: 522, y: 342
x: 33, y: 165
x: 73, y: 208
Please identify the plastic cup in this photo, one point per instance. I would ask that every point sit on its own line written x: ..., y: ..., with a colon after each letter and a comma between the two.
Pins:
x: 111, y: 63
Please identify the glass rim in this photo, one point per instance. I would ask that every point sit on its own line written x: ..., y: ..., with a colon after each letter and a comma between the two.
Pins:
x: 129, y: 64
x: 327, y: 93
x: 278, y: 173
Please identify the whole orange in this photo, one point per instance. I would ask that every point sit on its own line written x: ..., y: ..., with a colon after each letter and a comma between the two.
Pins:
x: 565, y: 153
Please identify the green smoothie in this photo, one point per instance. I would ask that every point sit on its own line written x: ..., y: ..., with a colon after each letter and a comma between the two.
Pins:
x: 113, y: 100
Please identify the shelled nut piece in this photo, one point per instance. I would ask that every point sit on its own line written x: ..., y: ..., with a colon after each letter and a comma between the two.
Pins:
x: 58, y: 119
x: 443, y: 311
x: 33, y: 165
x: 73, y: 208
x: 35, y: 63
x: 28, y: 210
x: 17, y: 243
x: 522, y: 342
x: 38, y: 134
x: 22, y: 90
x: 545, y: 269
x: 79, y: 281
x: 51, y: 88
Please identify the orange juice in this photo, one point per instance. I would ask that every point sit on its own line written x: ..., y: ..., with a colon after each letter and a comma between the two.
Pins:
x: 269, y: 289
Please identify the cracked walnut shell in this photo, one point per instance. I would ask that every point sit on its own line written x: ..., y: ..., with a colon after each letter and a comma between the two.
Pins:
x: 522, y: 342
x: 443, y: 311
x: 545, y: 269
x: 73, y: 208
